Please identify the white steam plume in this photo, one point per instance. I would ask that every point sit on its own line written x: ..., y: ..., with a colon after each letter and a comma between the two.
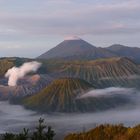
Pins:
x: 15, y: 73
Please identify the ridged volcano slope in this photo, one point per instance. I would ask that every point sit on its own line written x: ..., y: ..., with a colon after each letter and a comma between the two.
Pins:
x: 104, y: 72
x: 66, y: 95
x: 59, y: 96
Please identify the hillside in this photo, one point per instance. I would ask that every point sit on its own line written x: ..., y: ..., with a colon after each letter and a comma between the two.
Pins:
x: 116, y: 71
x: 4, y: 66
x: 103, y: 72
x: 8, y: 62
x: 107, y: 132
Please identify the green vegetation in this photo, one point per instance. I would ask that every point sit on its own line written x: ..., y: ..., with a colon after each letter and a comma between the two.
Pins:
x: 42, y: 133
x: 108, y: 132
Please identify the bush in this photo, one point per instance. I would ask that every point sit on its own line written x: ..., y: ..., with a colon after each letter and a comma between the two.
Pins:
x: 108, y: 132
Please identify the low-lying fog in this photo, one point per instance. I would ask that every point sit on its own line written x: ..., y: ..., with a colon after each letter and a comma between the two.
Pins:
x: 15, y: 117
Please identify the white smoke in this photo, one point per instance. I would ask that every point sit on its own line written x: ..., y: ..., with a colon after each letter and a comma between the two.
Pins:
x: 16, y: 73
x: 72, y: 38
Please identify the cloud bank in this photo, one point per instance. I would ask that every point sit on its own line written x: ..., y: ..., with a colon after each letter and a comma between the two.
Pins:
x: 108, y: 92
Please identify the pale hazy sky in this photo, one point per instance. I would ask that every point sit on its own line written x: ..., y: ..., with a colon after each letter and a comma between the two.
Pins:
x: 30, y: 27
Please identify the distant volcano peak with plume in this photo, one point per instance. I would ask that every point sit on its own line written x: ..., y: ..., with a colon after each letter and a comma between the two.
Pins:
x: 75, y: 48
x: 73, y: 38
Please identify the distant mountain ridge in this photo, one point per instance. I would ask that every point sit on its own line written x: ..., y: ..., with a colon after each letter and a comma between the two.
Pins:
x: 78, y: 49
x: 125, y: 51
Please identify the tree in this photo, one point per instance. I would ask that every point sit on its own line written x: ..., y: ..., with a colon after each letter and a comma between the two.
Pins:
x: 50, y: 133
x: 24, y: 135
x: 42, y: 133
x: 8, y: 136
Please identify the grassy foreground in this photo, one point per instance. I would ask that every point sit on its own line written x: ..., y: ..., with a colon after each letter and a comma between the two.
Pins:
x: 108, y: 132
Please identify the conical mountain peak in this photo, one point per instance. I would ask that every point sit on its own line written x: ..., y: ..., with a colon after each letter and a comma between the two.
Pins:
x: 75, y: 48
